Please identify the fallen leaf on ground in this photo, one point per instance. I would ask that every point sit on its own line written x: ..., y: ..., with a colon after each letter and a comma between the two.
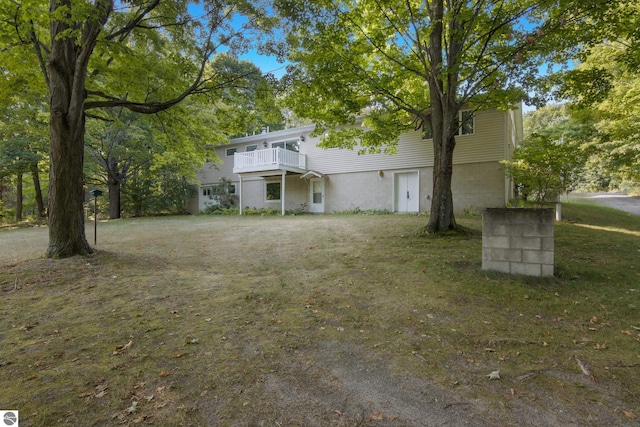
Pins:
x: 122, y: 348
x: 495, y: 375
x: 630, y: 414
x: 134, y: 406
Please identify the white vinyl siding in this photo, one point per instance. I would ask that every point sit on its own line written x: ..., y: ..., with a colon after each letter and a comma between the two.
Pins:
x: 492, y: 141
x: 486, y: 144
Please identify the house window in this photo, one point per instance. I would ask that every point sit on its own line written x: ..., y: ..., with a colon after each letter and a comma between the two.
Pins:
x: 251, y: 148
x: 272, y: 191
x: 465, y: 125
x: 293, y: 145
x: 231, y: 151
x: 466, y: 120
x: 231, y: 189
x: 206, y: 192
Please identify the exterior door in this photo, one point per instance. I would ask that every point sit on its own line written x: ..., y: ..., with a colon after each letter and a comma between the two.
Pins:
x: 406, y: 192
x: 316, y: 188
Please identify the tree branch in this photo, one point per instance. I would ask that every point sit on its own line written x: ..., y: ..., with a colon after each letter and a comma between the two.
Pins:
x: 133, y: 23
x: 155, y: 107
x: 38, y: 47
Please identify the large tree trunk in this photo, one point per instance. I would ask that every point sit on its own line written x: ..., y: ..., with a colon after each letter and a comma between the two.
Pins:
x: 66, y: 185
x: 443, y: 125
x: 38, y: 189
x: 443, y: 119
x: 114, y: 179
x: 67, y: 127
x: 114, y: 198
x: 442, y: 217
x: 19, y: 197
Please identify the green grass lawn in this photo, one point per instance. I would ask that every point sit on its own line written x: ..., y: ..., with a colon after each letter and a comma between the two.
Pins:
x: 319, y: 320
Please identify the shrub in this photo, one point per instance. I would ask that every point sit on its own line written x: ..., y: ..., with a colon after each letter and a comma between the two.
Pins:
x: 543, y: 167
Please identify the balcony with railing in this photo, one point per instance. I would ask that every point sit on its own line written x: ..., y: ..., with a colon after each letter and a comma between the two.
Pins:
x: 271, y: 159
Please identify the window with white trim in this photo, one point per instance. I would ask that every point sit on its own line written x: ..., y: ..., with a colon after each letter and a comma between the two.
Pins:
x: 231, y: 151
x: 465, y: 125
x: 292, y: 145
x: 253, y: 147
x: 272, y: 191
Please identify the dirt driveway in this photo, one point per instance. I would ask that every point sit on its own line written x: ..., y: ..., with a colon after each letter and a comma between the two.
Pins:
x: 618, y: 201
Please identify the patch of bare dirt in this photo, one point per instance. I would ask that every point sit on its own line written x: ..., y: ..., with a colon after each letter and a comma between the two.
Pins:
x: 343, y: 385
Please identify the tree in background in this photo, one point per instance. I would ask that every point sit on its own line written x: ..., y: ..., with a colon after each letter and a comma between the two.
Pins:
x: 23, y: 114
x: 249, y: 104
x: 119, y: 146
x: 129, y: 144
x: 146, y: 56
x: 614, y: 113
x: 416, y: 64
x: 549, y: 161
x: 23, y: 137
x: 603, y: 91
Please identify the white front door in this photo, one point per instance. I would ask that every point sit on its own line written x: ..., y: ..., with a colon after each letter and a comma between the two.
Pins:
x: 316, y: 188
x: 406, y: 192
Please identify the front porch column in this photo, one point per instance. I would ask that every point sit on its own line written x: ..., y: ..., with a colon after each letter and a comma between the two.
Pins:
x: 282, y: 191
x: 240, y: 195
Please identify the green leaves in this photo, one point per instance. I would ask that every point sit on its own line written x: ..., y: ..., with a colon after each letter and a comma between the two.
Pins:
x: 354, y: 57
x: 546, y: 164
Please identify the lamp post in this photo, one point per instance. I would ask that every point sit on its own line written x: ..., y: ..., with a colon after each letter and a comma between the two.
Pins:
x: 95, y: 193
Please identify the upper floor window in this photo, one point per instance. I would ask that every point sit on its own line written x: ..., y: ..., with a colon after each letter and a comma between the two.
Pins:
x: 293, y: 145
x: 465, y: 125
x: 466, y: 120
x: 231, y: 151
x: 251, y: 148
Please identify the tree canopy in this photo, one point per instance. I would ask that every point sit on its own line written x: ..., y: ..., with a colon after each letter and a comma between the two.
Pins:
x: 614, y: 113
x: 602, y: 92
x: 143, y: 55
x: 404, y: 64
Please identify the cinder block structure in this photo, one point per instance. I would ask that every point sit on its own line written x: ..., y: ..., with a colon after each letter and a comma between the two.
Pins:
x: 518, y: 241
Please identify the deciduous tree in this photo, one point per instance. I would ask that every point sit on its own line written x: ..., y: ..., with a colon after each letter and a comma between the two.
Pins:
x: 417, y: 63
x: 143, y: 55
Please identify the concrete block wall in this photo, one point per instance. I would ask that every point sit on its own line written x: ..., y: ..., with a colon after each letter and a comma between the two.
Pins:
x: 518, y: 241
x: 364, y: 190
x: 478, y: 185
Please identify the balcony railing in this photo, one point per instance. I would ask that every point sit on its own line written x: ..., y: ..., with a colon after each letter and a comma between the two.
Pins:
x: 269, y: 159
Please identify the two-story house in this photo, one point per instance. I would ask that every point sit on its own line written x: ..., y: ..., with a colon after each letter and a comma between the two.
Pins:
x: 286, y: 169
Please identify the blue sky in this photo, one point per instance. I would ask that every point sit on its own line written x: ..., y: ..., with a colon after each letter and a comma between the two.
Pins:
x: 268, y: 64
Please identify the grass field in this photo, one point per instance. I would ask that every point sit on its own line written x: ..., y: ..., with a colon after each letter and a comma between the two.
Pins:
x: 319, y: 320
